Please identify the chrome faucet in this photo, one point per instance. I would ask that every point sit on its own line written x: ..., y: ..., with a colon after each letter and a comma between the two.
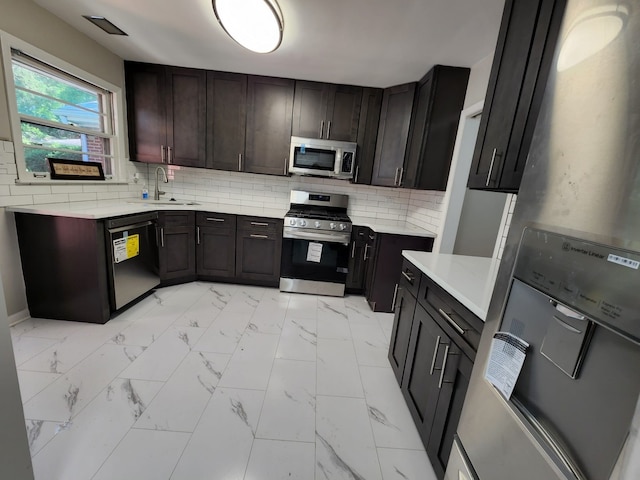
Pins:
x: 158, y: 192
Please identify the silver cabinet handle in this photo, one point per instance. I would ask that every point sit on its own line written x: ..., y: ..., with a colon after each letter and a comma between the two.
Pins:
x: 395, y: 296
x: 259, y: 224
x: 408, y: 277
x: 355, y: 177
x: 239, y: 162
x: 400, y: 177
x: 446, y: 316
x: 366, y: 250
x: 198, y: 235
x: 435, y: 355
x: 321, y: 128
x: 169, y: 155
x: 163, y: 156
x: 493, y: 159
x: 395, y: 178
x: 253, y: 235
x: 329, y: 130
x: 444, y: 366
x: 213, y: 219
x: 286, y: 165
x: 162, y: 237
x: 353, y: 248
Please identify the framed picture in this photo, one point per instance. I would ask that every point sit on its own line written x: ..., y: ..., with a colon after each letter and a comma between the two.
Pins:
x: 63, y: 169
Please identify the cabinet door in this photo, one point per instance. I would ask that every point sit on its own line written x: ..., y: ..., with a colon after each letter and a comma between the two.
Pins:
x: 403, y: 319
x: 310, y: 109
x: 515, y: 75
x: 538, y: 68
x: 395, y: 117
x: 176, y: 249
x: 186, y: 116
x: 447, y: 414
x: 146, y: 111
x: 357, y: 264
x: 343, y: 113
x: 387, y: 267
x: 259, y: 249
x: 215, y: 245
x: 367, y: 134
x: 428, y: 371
x: 439, y: 101
x: 226, y: 120
x: 269, y: 116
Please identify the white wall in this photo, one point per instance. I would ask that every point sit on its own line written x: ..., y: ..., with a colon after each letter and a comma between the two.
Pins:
x: 478, y: 81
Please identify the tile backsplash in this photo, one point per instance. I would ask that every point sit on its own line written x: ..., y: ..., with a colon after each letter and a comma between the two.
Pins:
x: 421, y: 208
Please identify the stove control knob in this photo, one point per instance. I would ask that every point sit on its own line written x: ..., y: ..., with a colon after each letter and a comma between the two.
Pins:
x: 343, y: 226
x: 302, y: 223
x: 292, y: 221
x: 317, y: 224
x: 332, y: 226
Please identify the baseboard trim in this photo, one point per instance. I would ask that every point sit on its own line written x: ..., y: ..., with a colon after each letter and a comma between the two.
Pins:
x: 19, y: 317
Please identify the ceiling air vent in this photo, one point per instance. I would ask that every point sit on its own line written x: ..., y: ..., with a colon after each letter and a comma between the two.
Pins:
x: 104, y: 24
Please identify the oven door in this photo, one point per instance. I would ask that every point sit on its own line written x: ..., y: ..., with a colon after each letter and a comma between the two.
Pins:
x: 314, y: 262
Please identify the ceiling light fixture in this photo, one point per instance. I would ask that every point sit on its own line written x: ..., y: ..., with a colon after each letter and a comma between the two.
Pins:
x: 591, y: 32
x: 255, y: 24
x: 105, y: 25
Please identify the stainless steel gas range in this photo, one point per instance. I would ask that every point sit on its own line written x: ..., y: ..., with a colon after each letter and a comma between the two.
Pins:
x: 315, y: 244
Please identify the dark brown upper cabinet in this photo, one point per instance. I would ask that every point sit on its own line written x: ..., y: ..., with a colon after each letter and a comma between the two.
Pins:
x: 436, y: 113
x: 391, y: 144
x: 226, y: 120
x: 166, y: 114
x: 269, y: 117
x: 523, y: 57
x: 325, y: 110
x: 367, y: 134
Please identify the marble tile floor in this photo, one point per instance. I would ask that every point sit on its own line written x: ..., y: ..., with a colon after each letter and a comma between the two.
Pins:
x: 215, y: 381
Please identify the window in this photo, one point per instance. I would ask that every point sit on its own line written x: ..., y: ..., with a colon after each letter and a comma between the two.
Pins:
x: 59, y: 112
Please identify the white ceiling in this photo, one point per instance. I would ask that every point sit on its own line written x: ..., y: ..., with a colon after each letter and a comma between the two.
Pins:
x: 363, y: 42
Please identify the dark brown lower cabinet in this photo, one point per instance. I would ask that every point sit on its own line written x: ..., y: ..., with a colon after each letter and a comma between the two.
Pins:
x: 447, y: 415
x: 176, y: 247
x: 215, y: 246
x: 432, y: 360
x: 357, y: 262
x: 258, y: 250
x: 404, y: 311
x: 384, y: 270
x: 64, y: 266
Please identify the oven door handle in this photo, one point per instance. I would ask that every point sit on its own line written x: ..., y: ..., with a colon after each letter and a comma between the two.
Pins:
x: 320, y: 237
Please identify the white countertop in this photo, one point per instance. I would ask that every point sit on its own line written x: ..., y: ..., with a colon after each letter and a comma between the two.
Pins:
x: 106, y: 209
x: 102, y: 209
x: 470, y: 280
x: 391, y: 226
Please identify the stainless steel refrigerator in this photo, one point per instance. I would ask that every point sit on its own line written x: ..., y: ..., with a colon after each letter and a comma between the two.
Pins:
x: 569, y: 281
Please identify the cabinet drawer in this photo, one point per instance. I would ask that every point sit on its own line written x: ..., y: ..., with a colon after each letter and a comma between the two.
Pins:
x: 410, y: 277
x: 260, y: 224
x: 176, y: 219
x: 220, y: 220
x: 460, y: 323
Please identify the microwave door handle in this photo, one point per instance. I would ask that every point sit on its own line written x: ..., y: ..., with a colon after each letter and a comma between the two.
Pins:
x: 338, y: 164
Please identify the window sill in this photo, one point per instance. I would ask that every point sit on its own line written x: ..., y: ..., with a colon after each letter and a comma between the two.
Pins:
x: 48, y: 181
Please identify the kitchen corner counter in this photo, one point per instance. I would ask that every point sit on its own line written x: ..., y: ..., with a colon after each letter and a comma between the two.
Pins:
x: 392, y: 226
x: 101, y: 210
x: 470, y: 280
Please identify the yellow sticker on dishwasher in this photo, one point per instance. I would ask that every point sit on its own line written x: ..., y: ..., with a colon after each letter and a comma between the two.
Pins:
x: 125, y: 248
x: 133, y: 246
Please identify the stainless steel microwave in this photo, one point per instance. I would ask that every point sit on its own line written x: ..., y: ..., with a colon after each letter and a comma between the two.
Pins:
x: 322, y: 158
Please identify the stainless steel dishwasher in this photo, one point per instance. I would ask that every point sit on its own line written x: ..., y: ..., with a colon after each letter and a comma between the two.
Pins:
x: 132, y: 255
